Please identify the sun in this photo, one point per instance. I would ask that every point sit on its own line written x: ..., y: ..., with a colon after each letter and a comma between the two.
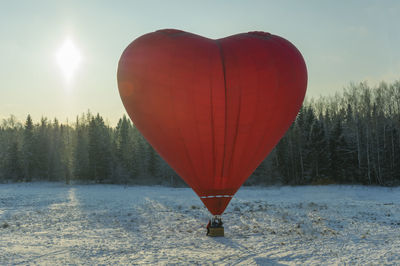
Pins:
x: 68, y: 58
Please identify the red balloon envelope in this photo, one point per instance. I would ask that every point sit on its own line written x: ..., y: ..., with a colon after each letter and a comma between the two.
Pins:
x: 213, y: 109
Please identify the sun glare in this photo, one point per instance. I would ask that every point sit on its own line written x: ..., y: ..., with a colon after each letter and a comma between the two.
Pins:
x: 68, y: 58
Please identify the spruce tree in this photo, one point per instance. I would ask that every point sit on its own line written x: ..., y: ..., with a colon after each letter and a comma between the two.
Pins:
x: 99, y: 150
x: 318, y: 154
x: 81, y: 155
x: 125, y: 150
x: 28, y: 149
x: 42, y: 151
x: 13, y: 169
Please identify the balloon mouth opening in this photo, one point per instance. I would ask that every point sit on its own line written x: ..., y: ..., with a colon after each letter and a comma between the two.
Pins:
x: 170, y: 31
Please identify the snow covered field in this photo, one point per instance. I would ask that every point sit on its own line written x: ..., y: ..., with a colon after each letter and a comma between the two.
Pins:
x: 47, y: 223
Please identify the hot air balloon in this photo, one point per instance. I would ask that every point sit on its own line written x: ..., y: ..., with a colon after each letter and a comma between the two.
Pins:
x: 213, y: 109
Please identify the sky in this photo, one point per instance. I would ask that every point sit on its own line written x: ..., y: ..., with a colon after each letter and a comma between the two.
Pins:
x: 341, y: 42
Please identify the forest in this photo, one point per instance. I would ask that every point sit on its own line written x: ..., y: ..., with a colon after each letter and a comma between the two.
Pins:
x: 352, y: 137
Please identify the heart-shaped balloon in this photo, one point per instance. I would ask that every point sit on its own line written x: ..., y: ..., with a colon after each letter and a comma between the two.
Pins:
x: 213, y: 109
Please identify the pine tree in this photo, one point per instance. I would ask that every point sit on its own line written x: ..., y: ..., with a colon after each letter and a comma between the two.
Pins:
x: 283, y: 160
x: 42, y: 151
x: 152, y: 163
x: 139, y: 153
x: 99, y: 150
x: 338, y: 154
x: 56, y: 149
x: 124, y: 150
x: 28, y: 150
x: 81, y: 155
x: 13, y: 169
x: 318, y: 154
x: 66, y: 154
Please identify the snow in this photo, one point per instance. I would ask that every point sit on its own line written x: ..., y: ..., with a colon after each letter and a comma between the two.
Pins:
x: 52, y: 223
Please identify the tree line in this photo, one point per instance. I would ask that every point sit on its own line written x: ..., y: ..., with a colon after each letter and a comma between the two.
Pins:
x: 352, y: 137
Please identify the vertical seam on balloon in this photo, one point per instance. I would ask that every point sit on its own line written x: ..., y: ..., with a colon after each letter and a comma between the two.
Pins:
x: 221, y: 53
